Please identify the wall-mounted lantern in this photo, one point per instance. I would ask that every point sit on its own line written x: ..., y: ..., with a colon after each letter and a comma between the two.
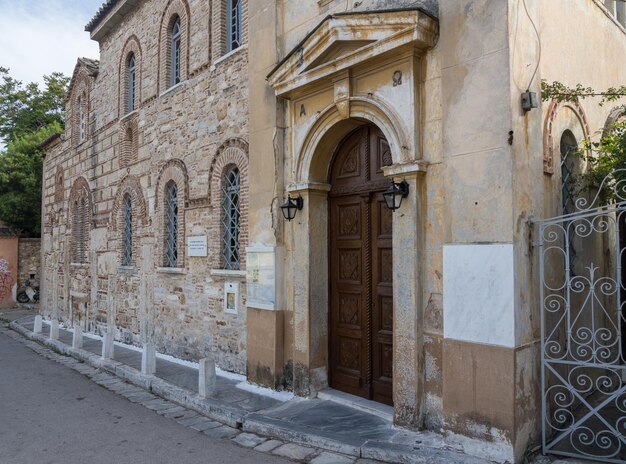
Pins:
x: 291, y: 207
x: 395, y: 193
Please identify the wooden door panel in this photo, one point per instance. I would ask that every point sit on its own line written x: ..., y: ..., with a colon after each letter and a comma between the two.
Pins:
x: 348, y: 294
x: 361, y: 287
x: 382, y: 297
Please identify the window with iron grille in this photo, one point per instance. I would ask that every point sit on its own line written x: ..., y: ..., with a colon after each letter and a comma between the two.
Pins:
x: 176, y: 50
x: 131, y: 83
x: 231, y: 214
x: 80, y: 231
x: 171, y: 225
x: 127, y: 242
x: 82, y: 119
x: 82, y: 239
x: 569, y: 151
x: 75, y: 233
x: 234, y: 25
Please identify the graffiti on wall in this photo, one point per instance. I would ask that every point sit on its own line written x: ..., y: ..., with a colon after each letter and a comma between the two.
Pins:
x: 5, y: 278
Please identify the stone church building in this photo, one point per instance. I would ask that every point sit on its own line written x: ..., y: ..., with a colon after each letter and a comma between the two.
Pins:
x: 162, y: 202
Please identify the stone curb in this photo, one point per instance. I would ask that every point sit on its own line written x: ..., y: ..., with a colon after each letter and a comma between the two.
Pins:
x: 207, y: 407
x: 414, y: 455
x: 252, y: 422
x: 256, y: 423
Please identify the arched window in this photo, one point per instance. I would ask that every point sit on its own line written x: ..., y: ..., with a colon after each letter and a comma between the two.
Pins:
x: 79, y: 231
x: 231, y: 214
x: 233, y: 28
x: 82, y: 240
x: 82, y: 118
x: 76, y: 233
x: 569, y: 150
x: 171, y: 225
x: 176, y: 50
x: 127, y: 232
x: 131, y: 82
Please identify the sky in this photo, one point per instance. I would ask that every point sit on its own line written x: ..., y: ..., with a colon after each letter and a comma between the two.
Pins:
x: 40, y: 37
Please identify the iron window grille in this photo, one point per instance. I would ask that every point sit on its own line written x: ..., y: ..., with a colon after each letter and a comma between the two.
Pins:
x: 79, y: 231
x: 569, y: 151
x: 127, y: 250
x: 234, y: 25
x: 82, y: 119
x: 75, y: 234
x: 131, y: 83
x: 176, y: 46
x: 171, y: 225
x: 82, y: 242
x: 231, y: 209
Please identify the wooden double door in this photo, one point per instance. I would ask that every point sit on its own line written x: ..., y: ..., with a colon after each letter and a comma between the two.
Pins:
x: 361, y: 287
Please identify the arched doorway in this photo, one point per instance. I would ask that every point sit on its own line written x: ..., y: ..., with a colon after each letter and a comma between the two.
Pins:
x: 360, y: 268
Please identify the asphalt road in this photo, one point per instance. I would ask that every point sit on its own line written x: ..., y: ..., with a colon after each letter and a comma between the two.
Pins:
x: 50, y: 413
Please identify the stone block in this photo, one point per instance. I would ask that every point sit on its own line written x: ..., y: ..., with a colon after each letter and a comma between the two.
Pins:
x: 268, y: 446
x: 332, y: 458
x: 293, y: 451
x: 54, y: 329
x: 77, y: 338
x: 148, y: 359
x: 107, y: 345
x: 38, y: 324
x: 249, y: 440
x: 206, y: 377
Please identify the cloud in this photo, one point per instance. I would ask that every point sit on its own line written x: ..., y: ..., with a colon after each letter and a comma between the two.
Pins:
x: 41, y: 37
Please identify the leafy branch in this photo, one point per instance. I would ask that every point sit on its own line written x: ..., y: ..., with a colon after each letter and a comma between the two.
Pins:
x: 606, y: 160
x: 561, y: 92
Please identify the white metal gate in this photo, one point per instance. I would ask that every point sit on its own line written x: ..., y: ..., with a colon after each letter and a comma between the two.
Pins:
x: 583, y: 293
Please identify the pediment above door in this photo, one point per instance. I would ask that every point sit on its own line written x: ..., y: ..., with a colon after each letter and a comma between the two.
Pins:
x: 345, y: 40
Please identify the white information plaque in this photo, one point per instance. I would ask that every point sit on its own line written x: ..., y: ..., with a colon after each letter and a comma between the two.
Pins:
x: 197, y: 246
x: 261, y: 277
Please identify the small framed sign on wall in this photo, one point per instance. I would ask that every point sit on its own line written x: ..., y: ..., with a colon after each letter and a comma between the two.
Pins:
x: 231, y: 297
x: 197, y: 246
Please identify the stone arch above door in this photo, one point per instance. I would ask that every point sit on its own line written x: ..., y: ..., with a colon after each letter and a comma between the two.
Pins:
x: 314, y: 156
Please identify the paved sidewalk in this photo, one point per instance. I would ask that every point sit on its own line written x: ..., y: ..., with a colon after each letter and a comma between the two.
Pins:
x: 317, y: 423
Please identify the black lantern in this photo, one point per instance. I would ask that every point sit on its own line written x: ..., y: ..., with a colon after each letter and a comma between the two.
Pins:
x: 291, y: 206
x: 395, y: 193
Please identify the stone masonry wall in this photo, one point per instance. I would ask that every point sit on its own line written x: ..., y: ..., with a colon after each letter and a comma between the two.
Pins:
x: 180, y: 134
x: 29, y: 260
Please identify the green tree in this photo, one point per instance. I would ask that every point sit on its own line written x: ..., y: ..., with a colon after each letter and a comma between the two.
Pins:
x: 28, y: 115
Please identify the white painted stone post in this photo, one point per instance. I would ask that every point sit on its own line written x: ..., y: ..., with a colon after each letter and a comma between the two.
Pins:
x: 38, y: 324
x: 206, y: 377
x: 107, y: 344
x: 77, y: 339
x: 54, y: 329
x: 148, y: 359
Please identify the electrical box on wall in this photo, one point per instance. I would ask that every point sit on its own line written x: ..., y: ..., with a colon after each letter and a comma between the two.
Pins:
x: 231, y: 297
x: 529, y: 101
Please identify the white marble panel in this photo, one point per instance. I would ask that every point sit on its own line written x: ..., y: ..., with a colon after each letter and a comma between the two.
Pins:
x: 478, y: 288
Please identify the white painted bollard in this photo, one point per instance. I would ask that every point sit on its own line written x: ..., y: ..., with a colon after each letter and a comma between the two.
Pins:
x: 54, y: 329
x: 38, y: 324
x: 107, y: 345
x: 77, y: 339
x: 206, y: 377
x: 148, y: 359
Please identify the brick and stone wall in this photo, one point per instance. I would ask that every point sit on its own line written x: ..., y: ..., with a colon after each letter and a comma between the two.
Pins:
x: 29, y: 260
x: 183, y: 133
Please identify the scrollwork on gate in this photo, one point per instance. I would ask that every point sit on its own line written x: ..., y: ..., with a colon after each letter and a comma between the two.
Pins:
x: 583, y: 327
